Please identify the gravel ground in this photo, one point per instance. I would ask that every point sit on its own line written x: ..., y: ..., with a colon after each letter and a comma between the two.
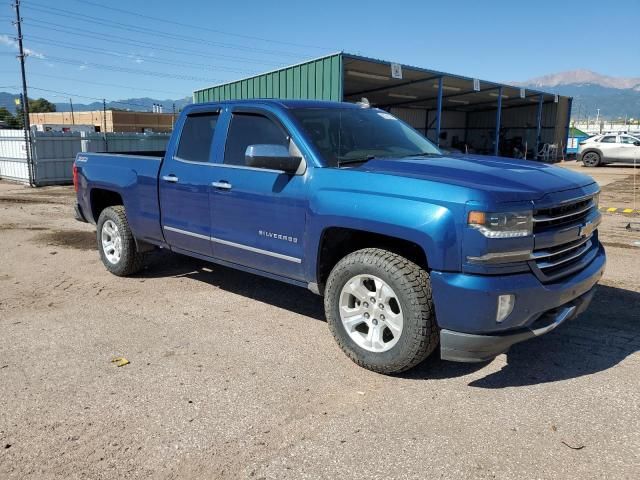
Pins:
x: 236, y: 376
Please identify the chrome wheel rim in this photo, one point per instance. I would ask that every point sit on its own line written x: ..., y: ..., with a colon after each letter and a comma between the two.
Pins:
x: 591, y: 159
x: 370, y: 313
x: 111, y: 242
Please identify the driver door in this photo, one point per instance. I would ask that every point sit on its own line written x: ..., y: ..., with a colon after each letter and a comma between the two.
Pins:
x: 258, y: 214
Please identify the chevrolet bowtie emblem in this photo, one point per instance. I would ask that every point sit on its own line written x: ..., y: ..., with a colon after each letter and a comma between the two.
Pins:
x: 587, y: 229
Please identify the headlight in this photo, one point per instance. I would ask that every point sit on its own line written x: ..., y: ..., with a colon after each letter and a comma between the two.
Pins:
x: 502, y: 225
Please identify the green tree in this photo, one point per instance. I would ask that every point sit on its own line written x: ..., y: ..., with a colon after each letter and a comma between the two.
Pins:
x: 40, y: 105
x: 9, y: 120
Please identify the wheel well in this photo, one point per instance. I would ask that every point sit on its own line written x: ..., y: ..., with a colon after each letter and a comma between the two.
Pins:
x: 592, y: 150
x: 101, y: 199
x: 337, y: 242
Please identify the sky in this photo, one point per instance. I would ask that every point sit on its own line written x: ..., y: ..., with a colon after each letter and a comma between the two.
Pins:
x: 116, y: 49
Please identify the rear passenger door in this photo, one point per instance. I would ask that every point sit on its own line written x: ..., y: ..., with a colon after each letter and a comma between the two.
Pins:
x: 185, y: 185
x: 258, y: 215
x: 629, y: 151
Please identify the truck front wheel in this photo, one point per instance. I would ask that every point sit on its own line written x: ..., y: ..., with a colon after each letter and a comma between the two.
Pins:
x: 116, y: 244
x: 379, y: 309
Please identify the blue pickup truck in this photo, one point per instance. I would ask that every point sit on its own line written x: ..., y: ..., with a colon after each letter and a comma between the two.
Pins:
x: 411, y: 249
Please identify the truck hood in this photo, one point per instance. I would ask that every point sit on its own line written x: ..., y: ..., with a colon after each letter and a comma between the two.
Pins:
x: 504, y: 179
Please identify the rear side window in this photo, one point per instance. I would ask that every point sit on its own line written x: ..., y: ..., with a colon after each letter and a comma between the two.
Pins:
x: 250, y: 129
x: 196, y: 137
x: 628, y: 139
x: 608, y: 139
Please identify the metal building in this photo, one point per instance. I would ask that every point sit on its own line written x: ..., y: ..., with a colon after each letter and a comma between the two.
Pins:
x: 453, y: 111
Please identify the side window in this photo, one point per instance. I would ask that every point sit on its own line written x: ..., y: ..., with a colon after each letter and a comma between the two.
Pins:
x: 608, y: 139
x: 196, y: 137
x: 628, y: 139
x: 251, y: 129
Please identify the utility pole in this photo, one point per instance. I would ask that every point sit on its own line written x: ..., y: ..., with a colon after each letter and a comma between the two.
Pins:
x: 73, y: 120
x: 173, y: 116
x: 104, y: 124
x: 25, y: 98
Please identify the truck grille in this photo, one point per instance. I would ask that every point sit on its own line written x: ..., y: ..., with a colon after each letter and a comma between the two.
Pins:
x: 556, y: 261
x: 563, y: 214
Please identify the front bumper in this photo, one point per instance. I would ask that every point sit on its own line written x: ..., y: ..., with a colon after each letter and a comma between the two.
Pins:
x: 467, y: 347
x: 466, y: 307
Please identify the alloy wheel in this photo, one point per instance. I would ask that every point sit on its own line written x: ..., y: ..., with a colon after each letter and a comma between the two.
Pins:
x: 370, y: 312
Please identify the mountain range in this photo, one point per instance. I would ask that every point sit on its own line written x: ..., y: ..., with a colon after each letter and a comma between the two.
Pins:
x: 583, y: 77
x: 615, y: 97
x: 7, y: 100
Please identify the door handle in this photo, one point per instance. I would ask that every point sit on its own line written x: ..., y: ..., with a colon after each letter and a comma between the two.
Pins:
x: 223, y: 185
x: 170, y: 178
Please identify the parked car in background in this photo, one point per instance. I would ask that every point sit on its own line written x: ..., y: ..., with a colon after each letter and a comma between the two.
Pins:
x: 413, y: 249
x: 609, y: 148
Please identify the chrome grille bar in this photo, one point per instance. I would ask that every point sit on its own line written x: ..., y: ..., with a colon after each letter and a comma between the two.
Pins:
x: 549, y: 218
x: 584, y: 248
x: 540, y: 254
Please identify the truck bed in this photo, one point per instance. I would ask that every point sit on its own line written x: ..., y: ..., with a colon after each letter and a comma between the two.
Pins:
x: 134, y: 176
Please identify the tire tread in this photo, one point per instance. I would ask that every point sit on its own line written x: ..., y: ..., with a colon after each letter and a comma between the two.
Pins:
x: 417, y: 288
x: 131, y: 260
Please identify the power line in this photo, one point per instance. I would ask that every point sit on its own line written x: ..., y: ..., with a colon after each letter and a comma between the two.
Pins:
x: 134, y: 71
x: 100, y: 84
x: 80, y: 32
x: 67, y: 94
x: 156, y: 33
x: 145, y: 59
x: 199, y: 27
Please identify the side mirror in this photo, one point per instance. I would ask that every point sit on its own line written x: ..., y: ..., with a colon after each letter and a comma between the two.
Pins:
x: 274, y: 157
x: 637, y: 144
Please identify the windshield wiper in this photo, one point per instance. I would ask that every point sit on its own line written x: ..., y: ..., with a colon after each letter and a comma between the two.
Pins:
x: 422, y: 154
x: 355, y: 160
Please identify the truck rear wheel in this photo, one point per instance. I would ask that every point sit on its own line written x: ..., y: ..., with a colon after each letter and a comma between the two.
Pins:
x: 379, y: 309
x: 116, y: 244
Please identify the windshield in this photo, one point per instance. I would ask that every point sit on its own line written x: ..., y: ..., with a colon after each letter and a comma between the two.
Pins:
x: 351, y: 135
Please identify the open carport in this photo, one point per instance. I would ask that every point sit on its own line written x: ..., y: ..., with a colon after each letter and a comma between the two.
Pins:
x: 464, y: 113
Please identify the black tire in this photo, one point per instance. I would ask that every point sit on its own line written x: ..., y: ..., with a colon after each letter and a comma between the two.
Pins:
x: 412, y: 286
x: 130, y: 261
x: 591, y: 159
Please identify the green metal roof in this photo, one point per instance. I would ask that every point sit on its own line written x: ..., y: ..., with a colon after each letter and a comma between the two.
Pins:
x: 318, y: 79
x: 576, y: 132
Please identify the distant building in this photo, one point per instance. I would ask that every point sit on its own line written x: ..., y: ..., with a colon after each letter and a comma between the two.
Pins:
x: 116, y: 120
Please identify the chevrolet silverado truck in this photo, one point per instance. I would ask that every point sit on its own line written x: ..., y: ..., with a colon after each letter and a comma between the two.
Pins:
x: 411, y: 249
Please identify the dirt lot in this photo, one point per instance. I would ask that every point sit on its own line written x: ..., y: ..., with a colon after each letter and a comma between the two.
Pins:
x: 235, y: 376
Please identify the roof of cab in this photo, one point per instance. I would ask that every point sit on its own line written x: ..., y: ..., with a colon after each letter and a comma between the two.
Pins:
x: 282, y: 103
